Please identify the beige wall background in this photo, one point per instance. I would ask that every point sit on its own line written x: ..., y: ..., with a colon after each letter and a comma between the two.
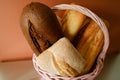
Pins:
x: 13, y: 45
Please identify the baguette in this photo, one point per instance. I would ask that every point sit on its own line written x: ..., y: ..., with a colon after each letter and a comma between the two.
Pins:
x: 90, y: 43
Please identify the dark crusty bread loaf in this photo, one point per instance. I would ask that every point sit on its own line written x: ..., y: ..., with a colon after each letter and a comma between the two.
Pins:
x: 40, y: 26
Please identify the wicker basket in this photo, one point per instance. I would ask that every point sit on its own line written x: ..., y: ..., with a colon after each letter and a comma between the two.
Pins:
x: 100, y: 59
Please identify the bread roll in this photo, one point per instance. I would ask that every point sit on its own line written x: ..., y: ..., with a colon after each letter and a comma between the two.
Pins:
x: 72, y: 22
x: 40, y: 26
x: 62, y: 59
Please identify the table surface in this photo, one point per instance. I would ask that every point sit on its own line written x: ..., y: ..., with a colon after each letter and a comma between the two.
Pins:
x: 24, y: 70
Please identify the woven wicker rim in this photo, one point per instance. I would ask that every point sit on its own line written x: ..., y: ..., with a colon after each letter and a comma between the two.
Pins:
x: 101, y: 57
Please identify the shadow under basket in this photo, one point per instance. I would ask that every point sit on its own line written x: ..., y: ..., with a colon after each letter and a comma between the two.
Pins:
x: 100, y: 59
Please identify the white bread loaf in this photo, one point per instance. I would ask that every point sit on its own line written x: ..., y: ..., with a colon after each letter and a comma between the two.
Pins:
x: 61, y: 59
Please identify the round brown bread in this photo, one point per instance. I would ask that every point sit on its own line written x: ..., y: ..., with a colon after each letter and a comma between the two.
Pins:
x: 40, y: 26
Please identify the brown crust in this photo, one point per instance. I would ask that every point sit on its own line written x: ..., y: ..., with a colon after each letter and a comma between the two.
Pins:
x: 40, y: 26
x: 90, y: 43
